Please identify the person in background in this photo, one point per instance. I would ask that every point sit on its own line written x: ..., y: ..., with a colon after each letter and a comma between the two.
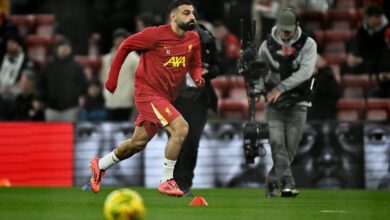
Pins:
x: 12, y: 63
x: 119, y: 106
x: 370, y: 38
x: 6, y: 29
x: 168, y: 53
x: 291, y: 57
x: 62, y: 84
x: 92, y: 107
x: 327, y: 92
x: 228, y: 48
x: 382, y: 90
x: 193, y: 103
x: 26, y: 107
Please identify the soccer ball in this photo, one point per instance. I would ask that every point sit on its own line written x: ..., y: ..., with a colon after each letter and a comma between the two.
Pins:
x: 124, y: 204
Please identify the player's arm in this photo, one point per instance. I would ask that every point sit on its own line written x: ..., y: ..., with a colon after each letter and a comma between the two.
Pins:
x: 143, y: 40
x: 196, y: 67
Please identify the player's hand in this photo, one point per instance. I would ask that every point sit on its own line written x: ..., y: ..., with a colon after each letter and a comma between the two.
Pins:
x: 199, y: 82
x: 110, y: 86
x: 273, y: 95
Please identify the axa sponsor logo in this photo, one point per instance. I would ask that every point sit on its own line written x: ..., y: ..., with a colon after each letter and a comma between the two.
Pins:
x: 176, y: 61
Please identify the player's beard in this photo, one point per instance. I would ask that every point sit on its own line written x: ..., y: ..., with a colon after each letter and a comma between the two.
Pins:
x: 189, y: 26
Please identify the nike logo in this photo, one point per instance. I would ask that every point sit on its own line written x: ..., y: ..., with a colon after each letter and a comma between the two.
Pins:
x: 167, y: 47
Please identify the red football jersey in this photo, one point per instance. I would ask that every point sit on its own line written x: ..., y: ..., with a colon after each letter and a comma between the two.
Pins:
x: 166, y: 58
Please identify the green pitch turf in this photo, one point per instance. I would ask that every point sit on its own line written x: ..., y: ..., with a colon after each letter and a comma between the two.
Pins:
x: 224, y: 204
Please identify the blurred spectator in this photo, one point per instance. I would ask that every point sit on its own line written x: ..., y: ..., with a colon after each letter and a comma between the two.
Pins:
x: 93, y: 104
x: 11, y: 65
x: 6, y: 28
x: 146, y: 19
x: 120, y: 104
x: 228, y: 47
x: 370, y: 37
x: 62, y: 84
x: 200, y: 19
x: 353, y: 63
x: 383, y: 77
x: 327, y: 92
x: 26, y: 107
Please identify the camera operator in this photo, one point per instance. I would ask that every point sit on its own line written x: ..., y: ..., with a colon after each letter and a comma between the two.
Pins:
x: 290, y: 56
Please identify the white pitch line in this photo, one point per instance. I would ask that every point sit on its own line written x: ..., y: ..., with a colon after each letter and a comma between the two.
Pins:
x: 333, y: 211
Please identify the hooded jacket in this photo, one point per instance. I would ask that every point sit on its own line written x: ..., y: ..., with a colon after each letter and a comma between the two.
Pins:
x: 304, y: 63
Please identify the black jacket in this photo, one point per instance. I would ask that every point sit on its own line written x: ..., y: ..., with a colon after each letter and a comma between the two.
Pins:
x: 62, y: 83
x: 206, y: 95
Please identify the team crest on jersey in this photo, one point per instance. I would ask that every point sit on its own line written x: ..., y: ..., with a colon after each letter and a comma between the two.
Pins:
x: 168, y: 111
x: 189, y: 48
x: 176, y: 61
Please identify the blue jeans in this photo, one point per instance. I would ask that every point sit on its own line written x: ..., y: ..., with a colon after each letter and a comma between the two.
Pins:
x: 285, y: 132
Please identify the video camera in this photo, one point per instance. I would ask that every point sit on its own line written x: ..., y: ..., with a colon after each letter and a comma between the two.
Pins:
x: 252, y: 68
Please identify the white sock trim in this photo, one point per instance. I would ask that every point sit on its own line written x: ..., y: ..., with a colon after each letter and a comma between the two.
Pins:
x: 168, y: 168
x: 108, y: 161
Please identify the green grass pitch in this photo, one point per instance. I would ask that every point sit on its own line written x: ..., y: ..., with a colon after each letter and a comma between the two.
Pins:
x: 224, y: 204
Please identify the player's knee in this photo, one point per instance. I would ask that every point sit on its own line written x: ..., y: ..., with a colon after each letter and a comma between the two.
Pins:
x: 181, y: 130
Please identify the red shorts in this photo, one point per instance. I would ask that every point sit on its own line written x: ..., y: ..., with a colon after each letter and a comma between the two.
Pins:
x: 158, y: 111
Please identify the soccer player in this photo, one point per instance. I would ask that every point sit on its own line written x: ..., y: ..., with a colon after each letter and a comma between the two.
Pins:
x: 168, y: 53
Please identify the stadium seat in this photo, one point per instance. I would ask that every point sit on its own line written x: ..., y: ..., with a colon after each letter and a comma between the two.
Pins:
x: 238, y: 93
x: 350, y: 109
x: 315, y: 20
x: 342, y: 4
x: 347, y: 115
x: 353, y: 92
x: 91, y: 65
x: 336, y: 47
x: 222, y: 84
x: 44, y: 24
x: 378, y: 109
x: 233, y: 109
x: 356, y: 80
x: 39, y: 48
x: 334, y: 58
x: 377, y: 115
x: 340, y: 25
x: 338, y: 35
x: 345, y: 16
x: 236, y: 82
x: 235, y: 105
x: 25, y: 23
x: 355, y: 83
